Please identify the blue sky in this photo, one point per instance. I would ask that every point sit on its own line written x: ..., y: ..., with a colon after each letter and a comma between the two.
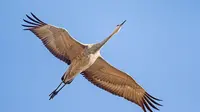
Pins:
x: 158, y: 46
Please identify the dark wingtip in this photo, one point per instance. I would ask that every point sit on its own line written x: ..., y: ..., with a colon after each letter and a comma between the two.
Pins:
x: 149, y: 101
x: 33, y: 22
x: 27, y: 25
x: 31, y: 13
x: 37, y: 18
x: 30, y: 22
x: 147, y: 106
x: 31, y: 18
x: 25, y: 28
x: 153, y: 97
x: 142, y: 105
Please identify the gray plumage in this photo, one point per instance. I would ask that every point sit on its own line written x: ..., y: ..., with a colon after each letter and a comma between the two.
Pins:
x: 85, y: 59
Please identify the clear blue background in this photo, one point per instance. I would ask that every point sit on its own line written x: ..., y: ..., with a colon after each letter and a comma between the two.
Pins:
x: 158, y: 47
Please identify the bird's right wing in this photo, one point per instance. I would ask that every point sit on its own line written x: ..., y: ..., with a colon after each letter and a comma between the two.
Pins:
x: 107, y: 77
x: 57, y: 40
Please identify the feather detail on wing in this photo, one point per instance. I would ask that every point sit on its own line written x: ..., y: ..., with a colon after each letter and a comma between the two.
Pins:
x: 105, y: 76
x: 57, y: 40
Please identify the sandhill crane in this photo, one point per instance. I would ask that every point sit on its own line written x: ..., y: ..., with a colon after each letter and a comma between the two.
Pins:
x: 85, y: 59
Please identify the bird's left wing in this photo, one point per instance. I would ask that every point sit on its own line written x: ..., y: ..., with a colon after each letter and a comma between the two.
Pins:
x: 107, y: 77
x: 57, y: 40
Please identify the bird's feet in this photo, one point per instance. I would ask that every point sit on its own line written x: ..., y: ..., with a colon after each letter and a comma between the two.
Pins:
x: 54, y: 93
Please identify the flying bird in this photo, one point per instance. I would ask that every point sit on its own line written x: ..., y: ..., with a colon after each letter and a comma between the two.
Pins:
x: 86, y: 59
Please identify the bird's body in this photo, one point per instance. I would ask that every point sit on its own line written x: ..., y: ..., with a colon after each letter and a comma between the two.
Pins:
x: 85, y: 59
x: 80, y: 63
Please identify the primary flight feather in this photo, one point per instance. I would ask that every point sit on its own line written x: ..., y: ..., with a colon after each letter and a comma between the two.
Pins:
x: 85, y: 59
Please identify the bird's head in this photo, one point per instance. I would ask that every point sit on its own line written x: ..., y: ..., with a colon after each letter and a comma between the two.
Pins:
x: 118, y: 27
x: 97, y: 46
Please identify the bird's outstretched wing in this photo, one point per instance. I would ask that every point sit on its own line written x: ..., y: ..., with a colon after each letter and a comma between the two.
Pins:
x: 57, y: 40
x: 105, y: 76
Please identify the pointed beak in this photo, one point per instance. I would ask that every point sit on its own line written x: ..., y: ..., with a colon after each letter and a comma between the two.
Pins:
x: 122, y: 23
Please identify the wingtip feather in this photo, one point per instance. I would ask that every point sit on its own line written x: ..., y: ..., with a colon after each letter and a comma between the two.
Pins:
x: 32, y: 19
x: 149, y: 98
x: 142, y: 105
x: 153, y: 97
x: 146, y: 99
x: 147, y: 106
x: 37, y: 18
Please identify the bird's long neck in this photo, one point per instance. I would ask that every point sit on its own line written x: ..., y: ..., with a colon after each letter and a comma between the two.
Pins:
x: 99, y: 45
